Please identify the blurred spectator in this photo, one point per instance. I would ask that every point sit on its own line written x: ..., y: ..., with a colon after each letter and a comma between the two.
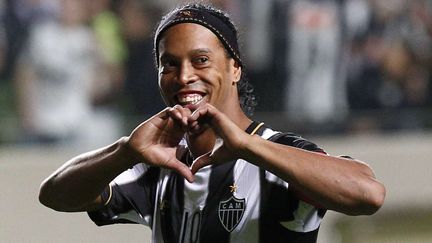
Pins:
x: 367, y: 59
x: 3, y: 38
x: 18, y: 17
x: 141, y: 85
x: 106, y: 25
x: 56, y: 79
x: 315, y: 90
x: 390, y: 62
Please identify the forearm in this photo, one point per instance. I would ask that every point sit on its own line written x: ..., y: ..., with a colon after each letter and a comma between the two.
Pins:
x: 77, y: 184
x: 338, y: 184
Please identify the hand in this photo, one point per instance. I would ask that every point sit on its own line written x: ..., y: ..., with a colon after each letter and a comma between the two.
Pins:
x: 231, y: 139
x: 155, y: 140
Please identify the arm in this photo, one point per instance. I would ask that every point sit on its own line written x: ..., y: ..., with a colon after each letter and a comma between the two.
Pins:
x: 77, y: 185
x: 339, y: 184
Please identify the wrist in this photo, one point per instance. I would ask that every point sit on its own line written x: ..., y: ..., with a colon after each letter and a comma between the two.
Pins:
x: 130, y: 155
x: 248, y: 150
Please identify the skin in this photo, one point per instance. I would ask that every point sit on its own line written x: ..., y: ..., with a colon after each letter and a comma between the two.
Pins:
x: 193, y: 61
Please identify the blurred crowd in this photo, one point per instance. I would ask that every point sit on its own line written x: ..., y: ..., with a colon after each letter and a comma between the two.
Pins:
x: 343, y: 65
x: 83, y: 72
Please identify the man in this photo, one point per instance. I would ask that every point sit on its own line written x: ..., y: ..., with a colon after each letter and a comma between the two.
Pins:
x: 201, y: 170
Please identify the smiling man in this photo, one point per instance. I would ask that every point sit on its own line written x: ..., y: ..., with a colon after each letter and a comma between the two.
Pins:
x: 201, y: 170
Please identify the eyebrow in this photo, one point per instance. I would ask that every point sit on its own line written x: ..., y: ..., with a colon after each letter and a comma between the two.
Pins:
x: 192, y: 52
x: 201, y: 51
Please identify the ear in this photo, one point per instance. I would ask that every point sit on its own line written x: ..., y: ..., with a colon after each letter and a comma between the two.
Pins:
x: 237, y: 71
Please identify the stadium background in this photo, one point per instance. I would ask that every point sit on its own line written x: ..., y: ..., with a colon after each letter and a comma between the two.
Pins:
x: 368, y: 95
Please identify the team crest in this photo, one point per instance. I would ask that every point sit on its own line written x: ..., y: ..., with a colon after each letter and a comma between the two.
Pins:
x: 231, y: 212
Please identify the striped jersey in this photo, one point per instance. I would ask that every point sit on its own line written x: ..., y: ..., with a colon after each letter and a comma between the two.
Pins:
x: 231, y: 202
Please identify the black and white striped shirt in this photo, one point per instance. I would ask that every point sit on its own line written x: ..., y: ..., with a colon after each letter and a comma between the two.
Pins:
x: 231, y: 202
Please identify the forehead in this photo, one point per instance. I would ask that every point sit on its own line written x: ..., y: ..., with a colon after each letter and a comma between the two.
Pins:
x: 186, y: 36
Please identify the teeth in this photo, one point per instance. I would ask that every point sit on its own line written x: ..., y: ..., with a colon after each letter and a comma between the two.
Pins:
x: 189, y: 99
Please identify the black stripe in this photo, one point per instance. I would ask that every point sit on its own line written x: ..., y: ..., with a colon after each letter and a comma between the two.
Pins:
x: 221, y: 177
x: 251, y: 127
x: 171, y: 208
x: 278, y: 205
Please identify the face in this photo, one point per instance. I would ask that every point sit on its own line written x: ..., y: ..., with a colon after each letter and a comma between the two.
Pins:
x: 194, y: 69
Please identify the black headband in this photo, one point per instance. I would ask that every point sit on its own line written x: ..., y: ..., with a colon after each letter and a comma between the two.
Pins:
x: 192, y: 15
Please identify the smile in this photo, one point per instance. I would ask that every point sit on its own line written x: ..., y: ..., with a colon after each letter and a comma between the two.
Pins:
x: 189, y: 99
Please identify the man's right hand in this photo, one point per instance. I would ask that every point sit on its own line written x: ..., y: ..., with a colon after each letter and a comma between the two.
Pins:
x: 155, y: 141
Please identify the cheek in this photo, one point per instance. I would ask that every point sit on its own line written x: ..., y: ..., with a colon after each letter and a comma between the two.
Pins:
x: 164, y: 90
x: 161, y: 86
x: 165, y: 83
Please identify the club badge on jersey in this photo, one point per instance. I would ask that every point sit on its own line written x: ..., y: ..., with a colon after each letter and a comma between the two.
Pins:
x: 231, y: 211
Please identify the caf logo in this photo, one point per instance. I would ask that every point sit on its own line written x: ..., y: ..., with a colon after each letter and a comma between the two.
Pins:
x: 231, y: 212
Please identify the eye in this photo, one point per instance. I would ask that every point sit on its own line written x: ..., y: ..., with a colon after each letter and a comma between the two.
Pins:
x: 167, y: 65
x: 201, y: 60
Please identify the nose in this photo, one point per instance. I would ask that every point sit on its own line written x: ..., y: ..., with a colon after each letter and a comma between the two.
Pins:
x: 186, y: 74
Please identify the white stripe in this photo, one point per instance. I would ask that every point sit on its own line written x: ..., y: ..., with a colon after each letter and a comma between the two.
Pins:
x: 268, y: 133
x: 195, y: 194
x: 306, y: 219
x: 132, y: 174
x: 268, y: 175
x: 272, y: 178
x: 134, y: 217
x: 246, y: 178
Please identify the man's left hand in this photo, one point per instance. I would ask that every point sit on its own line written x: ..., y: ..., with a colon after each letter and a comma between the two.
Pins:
x: 231, y: 140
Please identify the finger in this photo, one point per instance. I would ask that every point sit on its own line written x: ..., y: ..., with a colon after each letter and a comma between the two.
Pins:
x: 186, y: 173
x: 210, y: 116
x: 179, y: 115
x: 201, y: 162
x: 202, y: 114
x: 174, y: 113
x: 199, y: 120
x: 196, y: 129
x: 183, y: 170
x: 163, y: 114
x: 185, y: 113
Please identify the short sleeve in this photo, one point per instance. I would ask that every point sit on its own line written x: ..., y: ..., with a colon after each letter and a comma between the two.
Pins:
x: 291, y: 139
x: 130, y: 198
x: 297, y: 141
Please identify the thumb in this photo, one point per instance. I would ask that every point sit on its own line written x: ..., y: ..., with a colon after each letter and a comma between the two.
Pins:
x: 215, y: 156
x: 184, y: 171
x: 201, y: 161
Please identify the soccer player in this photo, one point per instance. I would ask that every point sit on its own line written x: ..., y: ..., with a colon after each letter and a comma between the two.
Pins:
x: 201, y: 170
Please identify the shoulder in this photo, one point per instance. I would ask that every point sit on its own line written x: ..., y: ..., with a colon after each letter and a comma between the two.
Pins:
x: 290, y: 139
